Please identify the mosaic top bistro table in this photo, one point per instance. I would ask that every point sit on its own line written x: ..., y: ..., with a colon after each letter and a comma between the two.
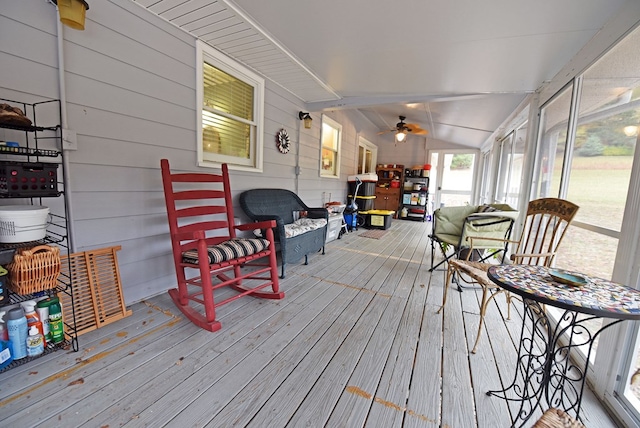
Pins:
x: 545, y: 376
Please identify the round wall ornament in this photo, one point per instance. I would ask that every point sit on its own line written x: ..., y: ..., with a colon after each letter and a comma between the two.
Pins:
x: 282, y: 140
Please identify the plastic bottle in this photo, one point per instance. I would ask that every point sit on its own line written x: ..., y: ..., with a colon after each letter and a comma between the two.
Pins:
x: 4, y: 334
x: 32, y: 317
x: 17, y: 326
x: 42, y: 309
x: 35, y: 342
x: 55, y: 320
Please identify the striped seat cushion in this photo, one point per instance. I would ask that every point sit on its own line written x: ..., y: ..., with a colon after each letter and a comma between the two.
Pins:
x: 228, y: 250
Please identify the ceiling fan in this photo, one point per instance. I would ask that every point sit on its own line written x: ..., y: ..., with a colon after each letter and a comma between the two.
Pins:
x: 402, y: 129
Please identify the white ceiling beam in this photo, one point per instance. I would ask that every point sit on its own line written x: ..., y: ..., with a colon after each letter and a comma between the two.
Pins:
x: 361, y: 102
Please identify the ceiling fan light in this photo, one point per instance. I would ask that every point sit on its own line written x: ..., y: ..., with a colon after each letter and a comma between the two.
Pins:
x: 400, y: 136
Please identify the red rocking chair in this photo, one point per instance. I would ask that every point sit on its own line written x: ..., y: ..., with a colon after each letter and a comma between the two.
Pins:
x: 203, y: 239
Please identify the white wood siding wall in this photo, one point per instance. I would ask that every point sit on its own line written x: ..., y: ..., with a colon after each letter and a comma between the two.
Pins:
x: 130, y: 80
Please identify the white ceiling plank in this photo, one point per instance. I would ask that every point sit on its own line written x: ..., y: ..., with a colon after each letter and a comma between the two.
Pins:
x: 198, y: 21
x: 192, y: 8
x: 240, y: 38
x: 162, y: 6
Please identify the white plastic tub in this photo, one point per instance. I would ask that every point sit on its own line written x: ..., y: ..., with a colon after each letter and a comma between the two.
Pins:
x: 23, y: 223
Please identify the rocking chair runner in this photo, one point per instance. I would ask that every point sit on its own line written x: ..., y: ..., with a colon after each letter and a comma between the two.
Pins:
x: 204, y: 242
x: 545, y: 225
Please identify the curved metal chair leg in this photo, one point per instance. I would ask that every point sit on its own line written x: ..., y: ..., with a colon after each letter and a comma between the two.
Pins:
x: 483, y: 311
x: 446, y: 286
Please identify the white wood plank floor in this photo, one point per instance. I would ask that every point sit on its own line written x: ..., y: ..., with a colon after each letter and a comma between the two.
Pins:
x: 356, y: 342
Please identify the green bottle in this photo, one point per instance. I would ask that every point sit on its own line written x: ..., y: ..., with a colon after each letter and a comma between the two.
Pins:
x: 56, y: 326
x: 42, y: 308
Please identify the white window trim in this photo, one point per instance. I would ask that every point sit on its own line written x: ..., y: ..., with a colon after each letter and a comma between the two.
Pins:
x: 228, y: 65
x: 327, y: 120
x: 368, y: 145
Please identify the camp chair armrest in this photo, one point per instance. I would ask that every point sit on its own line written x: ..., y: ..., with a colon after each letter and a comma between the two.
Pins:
x: 494, y: 214
x: 507, y: 241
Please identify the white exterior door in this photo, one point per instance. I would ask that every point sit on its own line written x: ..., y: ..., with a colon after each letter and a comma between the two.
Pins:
x: 452, y: 176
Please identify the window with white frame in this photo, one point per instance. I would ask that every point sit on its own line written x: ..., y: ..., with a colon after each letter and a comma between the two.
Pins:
x: 367, y: 156
x: 330, y: 150
x: 230, y: 101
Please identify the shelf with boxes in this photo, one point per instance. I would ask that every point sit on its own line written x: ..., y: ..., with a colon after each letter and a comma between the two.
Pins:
x: 415, y: 194
x: 34, y: 228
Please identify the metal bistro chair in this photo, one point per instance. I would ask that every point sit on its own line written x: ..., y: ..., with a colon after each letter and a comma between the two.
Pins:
x: 206, y: 249
x: 545, y: 225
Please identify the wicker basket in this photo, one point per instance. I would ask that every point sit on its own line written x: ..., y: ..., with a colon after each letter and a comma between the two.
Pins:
x: 34, y: 269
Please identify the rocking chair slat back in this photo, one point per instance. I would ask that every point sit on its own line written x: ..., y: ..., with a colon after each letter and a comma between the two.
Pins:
x: 545, y: 226
x: 204, y: 241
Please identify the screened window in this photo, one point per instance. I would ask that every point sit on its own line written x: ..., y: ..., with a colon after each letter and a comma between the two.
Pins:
x: 230, y: 101
x: 330, y: 151
x: 510, y: 167
x: 587, y: 158
x: 554, y: 123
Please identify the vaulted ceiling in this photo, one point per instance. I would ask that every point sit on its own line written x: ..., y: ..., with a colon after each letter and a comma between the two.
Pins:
x: 457, y: 68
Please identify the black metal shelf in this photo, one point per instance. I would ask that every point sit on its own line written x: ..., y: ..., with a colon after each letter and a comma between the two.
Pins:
x: 57, y: 231
x: 26, y: 151
x: 27, y: 128
x: 51, y: 347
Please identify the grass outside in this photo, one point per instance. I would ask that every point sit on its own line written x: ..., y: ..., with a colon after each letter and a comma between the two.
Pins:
x: 599, y: 186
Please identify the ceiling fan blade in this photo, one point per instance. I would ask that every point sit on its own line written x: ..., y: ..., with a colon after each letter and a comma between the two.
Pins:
x: 415, y: 129
x: 388, y: 130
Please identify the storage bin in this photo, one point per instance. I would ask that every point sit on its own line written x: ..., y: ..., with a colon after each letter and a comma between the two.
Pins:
x: 368, y: 186
x: 334, y: 227
x: 379, y: 219
x: 22, y: 223
x: 365, y: 203
x: 370, y: 176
